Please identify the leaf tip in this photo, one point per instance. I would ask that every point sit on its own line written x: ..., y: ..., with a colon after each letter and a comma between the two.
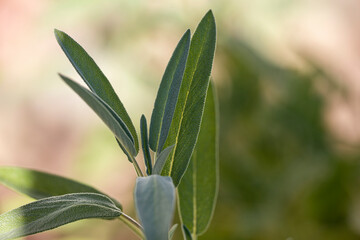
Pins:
x: 210, y: 13
x: 65, y: 79
x: 209, y: 17
x: 58, y: 34
x: 187, y: 33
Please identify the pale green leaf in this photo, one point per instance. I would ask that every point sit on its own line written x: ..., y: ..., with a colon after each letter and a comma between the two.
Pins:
x: 186, y: 121
x: 40, y: 185
x: 105, y: 113
x: 198, y: 189
x: 161, y: 159
x: 168, y: 94
x: 155, y: 203
x: 53, y: 212
x: 145, y: 144
x: 172, y: 231
x: 95, y: 79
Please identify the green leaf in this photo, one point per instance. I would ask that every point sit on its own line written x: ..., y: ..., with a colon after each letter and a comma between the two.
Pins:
x: 155, y: 202
x: 124, y: 150
x: 198, y: 189
x: 105, y: 113
x: 168, y: 94
x: 187, y: 234
x: 145, y: 144
x: 53, y: 212
x: 185, y: 125
x: 161, y: 159
x: 40, y: 185
x: 172, y: 231
x: 95, y: 79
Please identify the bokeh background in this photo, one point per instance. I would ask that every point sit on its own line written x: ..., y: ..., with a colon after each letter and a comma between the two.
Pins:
x: 288, y: 80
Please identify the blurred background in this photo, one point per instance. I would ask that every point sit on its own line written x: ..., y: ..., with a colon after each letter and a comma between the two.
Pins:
x: 287, y: 78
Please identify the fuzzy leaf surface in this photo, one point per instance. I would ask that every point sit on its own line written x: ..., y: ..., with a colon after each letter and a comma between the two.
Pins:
x: 105, y: 113
x: 199, y: 187
x: 167, y: 95
x: 53, y: 212
x: 95, y: 79
x: 155, y: 203
x: 186, y: 121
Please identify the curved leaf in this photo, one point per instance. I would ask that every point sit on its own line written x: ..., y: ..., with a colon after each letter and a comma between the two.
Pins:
x: 199, y: 187
x: 124, y: 150
x: 104, y: 112
x: 52, y: 212
x: 40, y: 185
x: 172, y: 231
x: 161, y: 159
x: 145, y: 144
x: 94, y: 78
x: 154, y: 201
x: 185, y: 125
x: 186, y: 233
x: 168, y: 94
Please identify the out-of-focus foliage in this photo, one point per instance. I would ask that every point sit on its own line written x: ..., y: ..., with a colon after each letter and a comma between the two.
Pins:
x: 280, y: 171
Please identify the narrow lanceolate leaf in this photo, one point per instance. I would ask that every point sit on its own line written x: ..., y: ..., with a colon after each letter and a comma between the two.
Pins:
x: 198, y: 189
x: 161, y: 159
x: 124, y: 150
x: 94, y: 78
x: 105, y: 113
x: 168, y: 94
x: 172, y: 231
x: 155, y: 202
x: 53, y: 212
x: 145, y: 145
x: 186, y: 121
x: 40, y: 185
x: 186, y: 233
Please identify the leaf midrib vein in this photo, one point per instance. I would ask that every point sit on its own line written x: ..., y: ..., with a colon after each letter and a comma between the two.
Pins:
x: 182, y: 113
x: 194, y: 194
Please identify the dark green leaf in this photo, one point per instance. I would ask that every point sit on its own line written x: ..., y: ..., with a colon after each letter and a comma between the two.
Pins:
x: 186, y: 121
x: 199, y: 187
x: 53, y: 212
x: 168, y: 94
x: 124, y: 150
x: 187, y: 234
x: 155, y: 202
x: 105, y: 113
x: 172, y: 231
x: 161, y: 159
x: 95, y: 79
x: 39, y: 185
x: 145, y: 144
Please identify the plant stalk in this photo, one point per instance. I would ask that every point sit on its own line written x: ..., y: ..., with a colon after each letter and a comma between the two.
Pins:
x: 137, y: 168
x: 133, y: 225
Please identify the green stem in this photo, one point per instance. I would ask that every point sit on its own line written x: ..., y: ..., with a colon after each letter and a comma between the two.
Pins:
x: 133, y: 225
x: 137, y: 168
